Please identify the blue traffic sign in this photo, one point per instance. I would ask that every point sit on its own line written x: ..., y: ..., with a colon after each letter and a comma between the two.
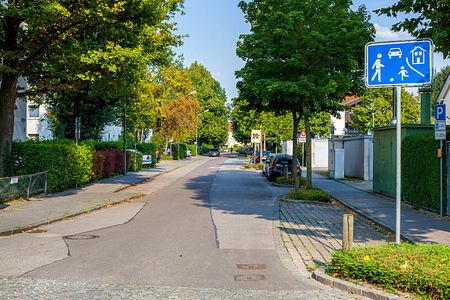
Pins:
x: 404, y: 63
x: 439, y: 112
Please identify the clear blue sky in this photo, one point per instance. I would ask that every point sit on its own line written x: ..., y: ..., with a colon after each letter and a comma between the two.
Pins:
x: 214, y: 27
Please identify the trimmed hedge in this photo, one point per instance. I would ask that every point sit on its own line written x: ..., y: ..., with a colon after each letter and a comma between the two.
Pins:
x: 312, y: 194
x: 193, y: 149
x: 179, y: 151
x: 68, y: 165
x: 420, y: 171
x: 421, y: 269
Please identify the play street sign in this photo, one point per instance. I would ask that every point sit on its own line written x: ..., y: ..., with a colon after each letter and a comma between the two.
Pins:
x: 256, y: 136
x: 403, y: 63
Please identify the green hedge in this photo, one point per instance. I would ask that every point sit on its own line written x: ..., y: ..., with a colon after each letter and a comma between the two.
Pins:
x: 421, y: 269
x: 193, y: 149
x: 179, y: 151
x: 68, y: 165
x: 148, y: 148
x: 420, y: 171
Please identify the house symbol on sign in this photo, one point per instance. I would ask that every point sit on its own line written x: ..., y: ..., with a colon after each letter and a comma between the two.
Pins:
x: 418, y: 55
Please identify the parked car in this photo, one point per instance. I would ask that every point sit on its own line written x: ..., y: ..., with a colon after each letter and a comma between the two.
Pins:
x: 214, y: 152
x: 277, y: 165
x: 188, y: 153
x: 265, y: 169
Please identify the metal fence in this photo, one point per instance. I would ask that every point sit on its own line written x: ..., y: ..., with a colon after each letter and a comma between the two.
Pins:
x: 23, y: 186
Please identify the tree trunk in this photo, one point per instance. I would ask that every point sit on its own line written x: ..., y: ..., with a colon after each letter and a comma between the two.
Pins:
x: 308, y: 183
x: 294, y: 146
x: 7, y: 105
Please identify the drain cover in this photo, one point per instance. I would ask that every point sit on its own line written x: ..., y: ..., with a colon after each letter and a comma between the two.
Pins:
x: 249, y: 277
x: 251, y: 266
x: 81, y: 237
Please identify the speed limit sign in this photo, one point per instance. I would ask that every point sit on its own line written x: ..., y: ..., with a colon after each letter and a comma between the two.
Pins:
x: 256, y: 136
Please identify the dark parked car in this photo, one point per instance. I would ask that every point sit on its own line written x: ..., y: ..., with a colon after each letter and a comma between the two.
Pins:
x: 214, y: 152
x: 277, y: 164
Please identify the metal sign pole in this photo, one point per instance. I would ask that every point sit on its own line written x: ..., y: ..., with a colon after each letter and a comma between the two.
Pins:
x: 398, y: 91
x: 441, y: 181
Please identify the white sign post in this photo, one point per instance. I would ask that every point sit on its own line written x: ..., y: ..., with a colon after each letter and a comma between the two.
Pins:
x: 399, y: 64
x: 255, y: 139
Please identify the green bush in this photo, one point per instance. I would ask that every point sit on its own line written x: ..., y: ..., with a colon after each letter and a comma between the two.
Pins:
x: 253, y: 166
x: 100, y: 145
x: 420, y: 171
x: 290, y: 180
x: 313, y: 194
x: 193, y: 149
x: 131, y: 157
x: 420, y: 269
x: 179, y: 151
x: 148, y: 148
x: 68, y: 165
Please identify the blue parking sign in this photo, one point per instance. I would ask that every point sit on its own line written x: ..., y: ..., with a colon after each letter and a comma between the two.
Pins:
x: 439, y: 112
x: 404, y: 63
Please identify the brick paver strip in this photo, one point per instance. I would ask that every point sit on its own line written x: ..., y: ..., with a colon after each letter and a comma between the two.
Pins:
x: 315, y: 230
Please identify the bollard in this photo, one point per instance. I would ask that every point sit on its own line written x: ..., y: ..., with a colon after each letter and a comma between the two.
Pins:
x: 286, y: 172
x: 347, y: 232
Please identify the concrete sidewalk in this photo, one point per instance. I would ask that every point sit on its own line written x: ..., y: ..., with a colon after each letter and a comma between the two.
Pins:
x: 416, y: 225
x: 45, y: 209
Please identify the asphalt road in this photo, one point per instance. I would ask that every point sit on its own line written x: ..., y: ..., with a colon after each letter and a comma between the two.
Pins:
x: 209, y: 225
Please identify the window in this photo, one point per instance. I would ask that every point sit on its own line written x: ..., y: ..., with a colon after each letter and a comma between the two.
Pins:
x: 33, y: 111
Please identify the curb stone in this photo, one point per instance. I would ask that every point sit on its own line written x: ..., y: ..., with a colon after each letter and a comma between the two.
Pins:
x: 319, y: 275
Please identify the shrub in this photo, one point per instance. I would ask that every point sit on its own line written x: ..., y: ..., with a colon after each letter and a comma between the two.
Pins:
x: 420, y: 269
x: 313, y: 194
x: 148, y: 148
x: 290, y: 180
x: 253, y: 166
x: 68, y: 165
x: 179, y: 151
x: 131, y: 157
x: 420, y: 171
x: 193, y: 149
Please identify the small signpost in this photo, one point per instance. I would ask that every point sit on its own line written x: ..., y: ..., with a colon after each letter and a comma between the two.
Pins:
x: 255, y: 139
x: 399, y: 64
x: 440, y: 134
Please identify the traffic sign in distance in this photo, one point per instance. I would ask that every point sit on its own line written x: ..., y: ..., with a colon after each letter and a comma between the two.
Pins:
x: 404, y: 63
x: 256, y: 136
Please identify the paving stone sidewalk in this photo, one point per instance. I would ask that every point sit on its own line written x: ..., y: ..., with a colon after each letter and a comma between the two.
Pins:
x: 311, y: 231
x: 49, y: 208
x: 416, y: 225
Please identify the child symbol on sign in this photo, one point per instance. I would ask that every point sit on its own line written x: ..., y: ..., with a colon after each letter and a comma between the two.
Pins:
x: 403, y: 73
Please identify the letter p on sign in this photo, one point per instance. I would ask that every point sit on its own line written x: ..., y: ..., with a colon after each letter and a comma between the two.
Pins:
x: 439, y: 112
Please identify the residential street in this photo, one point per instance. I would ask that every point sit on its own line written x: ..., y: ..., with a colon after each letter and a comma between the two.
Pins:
x: 205, y: 231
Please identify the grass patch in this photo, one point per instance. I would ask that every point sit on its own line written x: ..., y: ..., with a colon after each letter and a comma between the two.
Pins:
x: 421, y: 269
x: 290, y: 180
x: 313, y: 194
x: 253, y: 166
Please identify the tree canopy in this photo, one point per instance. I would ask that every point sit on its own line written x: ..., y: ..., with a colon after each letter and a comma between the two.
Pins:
x: 376, y: 106
x: 301, y: 57
x: 90, y: 47
x: 429, y: 19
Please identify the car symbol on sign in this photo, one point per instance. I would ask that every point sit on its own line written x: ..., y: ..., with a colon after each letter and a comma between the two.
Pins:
x: 395, y: 52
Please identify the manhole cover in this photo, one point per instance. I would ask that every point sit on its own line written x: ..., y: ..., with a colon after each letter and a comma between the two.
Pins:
x: 251, y: 266
x: 249, y: 277
x: 81, y: 237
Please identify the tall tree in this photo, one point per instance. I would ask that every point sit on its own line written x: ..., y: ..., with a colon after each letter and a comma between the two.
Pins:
x: 213, y: 123
x: 302, y: 57
x: 429, y: 19
x: 375, y: 110
x: 38, y: 34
